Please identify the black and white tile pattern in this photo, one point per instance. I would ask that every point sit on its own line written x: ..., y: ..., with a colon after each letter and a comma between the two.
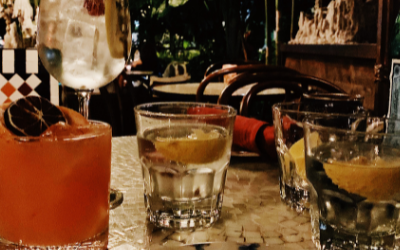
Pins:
x: 22, y: 74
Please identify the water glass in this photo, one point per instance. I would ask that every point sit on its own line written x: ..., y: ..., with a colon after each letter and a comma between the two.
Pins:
x: 184, y: 150
x: 288, y: 123
x: 288, y: 118
x: 353, y: 166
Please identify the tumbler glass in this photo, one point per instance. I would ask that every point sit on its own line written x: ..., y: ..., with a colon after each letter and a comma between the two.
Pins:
x: 289, y: 141
x: 55, y: 188
x: 353, y: 166
x: 184, y: 150
x: 288, y: 123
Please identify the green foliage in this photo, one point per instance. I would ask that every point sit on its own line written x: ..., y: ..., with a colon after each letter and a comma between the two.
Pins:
x: 189, y: 30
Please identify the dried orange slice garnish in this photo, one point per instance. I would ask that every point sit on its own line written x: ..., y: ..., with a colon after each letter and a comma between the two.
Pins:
x: 377, y: 180
x: 198, y: 148
x: 31, y: 116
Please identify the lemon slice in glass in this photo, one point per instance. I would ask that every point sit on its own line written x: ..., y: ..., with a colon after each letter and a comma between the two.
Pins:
x: 297, y: 152
x: 197, y: 148
x: 377, y: 180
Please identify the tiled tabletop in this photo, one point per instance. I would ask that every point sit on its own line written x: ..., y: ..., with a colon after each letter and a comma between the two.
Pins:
x: 253, y: 216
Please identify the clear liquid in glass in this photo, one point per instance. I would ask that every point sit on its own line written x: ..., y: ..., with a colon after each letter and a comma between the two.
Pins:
x: 358, y: 196
x: 184, y: 181
x: 84, y: 43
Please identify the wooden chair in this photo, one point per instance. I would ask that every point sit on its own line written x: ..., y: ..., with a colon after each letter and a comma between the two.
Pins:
x: 218, y: 65
x: 293, y: 92
x: 310, y: 84
x: 120, y: 103
x: 248, y: 68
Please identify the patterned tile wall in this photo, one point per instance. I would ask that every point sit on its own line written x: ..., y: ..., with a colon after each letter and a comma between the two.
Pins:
x: 22, y: 74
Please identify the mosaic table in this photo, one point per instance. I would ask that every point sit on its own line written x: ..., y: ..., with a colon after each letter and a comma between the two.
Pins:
x: 253, y: 216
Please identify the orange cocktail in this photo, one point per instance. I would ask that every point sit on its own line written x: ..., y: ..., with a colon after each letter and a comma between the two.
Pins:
x: 55, y: 187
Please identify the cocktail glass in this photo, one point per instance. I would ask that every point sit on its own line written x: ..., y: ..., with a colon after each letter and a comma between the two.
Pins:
x: 353, y: 166
x: 289, y: 142
x: 55, y: 189
x: 184, y: 149
x: 84, y: 44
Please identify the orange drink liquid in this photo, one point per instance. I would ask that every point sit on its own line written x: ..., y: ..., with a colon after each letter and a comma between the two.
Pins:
x: 55, y: 188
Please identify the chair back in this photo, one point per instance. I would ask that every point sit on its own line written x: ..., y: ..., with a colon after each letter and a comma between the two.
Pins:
x: 121, y: 100
x: 219, y: 65
x: 310, y: 84
x: 293, y: 91
x: 248, y: 68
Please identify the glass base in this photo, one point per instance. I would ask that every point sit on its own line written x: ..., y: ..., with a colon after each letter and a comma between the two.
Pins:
x: 200, y: 213
x: 97, y: 242
x: 332, y: 239
x: 314, y: 214
x: 167, y: 220
x: 295, y: 198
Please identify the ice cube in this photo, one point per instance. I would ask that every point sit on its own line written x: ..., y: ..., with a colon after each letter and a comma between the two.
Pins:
x: 80, y: 44
x: 383, y: 218
x: 197, y: 183
x: 71, y: 7
x: 165, y: 182
x: 338, y: 209
x: 364, y: 216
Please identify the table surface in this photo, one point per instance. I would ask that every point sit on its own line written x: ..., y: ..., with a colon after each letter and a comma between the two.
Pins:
x: 253, y: 216
x: 213, y: 88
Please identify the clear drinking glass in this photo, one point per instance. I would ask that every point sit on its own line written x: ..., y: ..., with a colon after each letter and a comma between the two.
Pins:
x: 289, y: 142
x: 288, y: 123
x: 184, y: 149
x: 353, y: 166
x: 55, y: 189
x: 84, y: 44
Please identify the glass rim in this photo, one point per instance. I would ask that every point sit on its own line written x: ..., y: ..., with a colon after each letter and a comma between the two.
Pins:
x: 106, y: 129
x: 311, y: 113
x: 344, y: 97
x: 381, y: 120
x: 140, y: 110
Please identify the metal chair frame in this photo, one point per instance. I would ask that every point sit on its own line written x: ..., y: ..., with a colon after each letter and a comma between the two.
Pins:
x: 308, y: 83
x: 250, y: 68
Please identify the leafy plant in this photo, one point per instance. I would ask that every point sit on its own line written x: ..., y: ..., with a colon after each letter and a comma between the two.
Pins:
x: 200, y: 32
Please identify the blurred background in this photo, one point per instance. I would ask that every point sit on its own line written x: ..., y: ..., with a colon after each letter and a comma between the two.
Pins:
x: 347, y: 42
